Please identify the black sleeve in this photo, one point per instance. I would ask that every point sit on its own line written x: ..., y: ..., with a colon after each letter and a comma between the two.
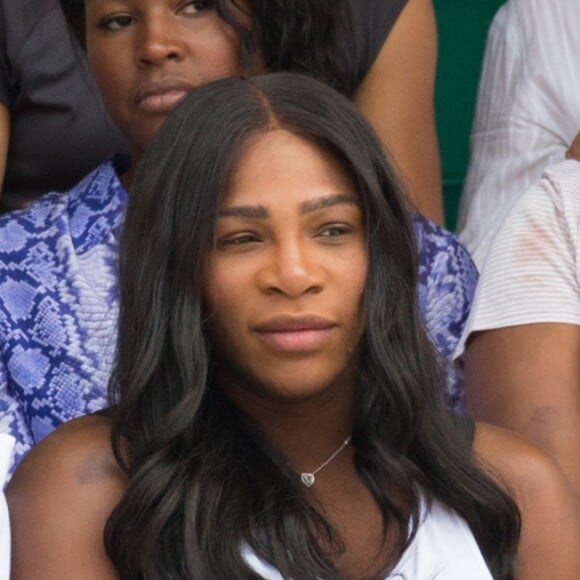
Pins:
x: 372, y: 22
x: 6, y: 78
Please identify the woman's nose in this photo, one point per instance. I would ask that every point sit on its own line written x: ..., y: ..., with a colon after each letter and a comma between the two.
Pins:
x: 159, y: 41
x: 293, y: 269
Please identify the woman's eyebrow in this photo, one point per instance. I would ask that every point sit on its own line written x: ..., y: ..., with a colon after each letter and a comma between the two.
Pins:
x: 245, y: 211
x: 328, y: 201
x: 261, y: 212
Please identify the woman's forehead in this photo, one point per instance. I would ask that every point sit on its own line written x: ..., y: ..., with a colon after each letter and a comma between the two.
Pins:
x: 281, y: 162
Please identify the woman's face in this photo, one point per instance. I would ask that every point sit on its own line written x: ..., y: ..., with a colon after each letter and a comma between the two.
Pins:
x: 146, y: 54
x: 285, y: 279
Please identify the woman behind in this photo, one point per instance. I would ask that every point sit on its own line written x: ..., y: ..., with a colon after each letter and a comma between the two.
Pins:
x: 58, y: 277
x: 389, y: 52
x: 278, y: 409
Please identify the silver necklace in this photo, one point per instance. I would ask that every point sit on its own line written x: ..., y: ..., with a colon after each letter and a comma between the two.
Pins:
x: 308, y: 478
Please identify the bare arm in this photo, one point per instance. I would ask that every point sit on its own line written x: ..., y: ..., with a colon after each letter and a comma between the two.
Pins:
x: 527, y: 378
x: 550, y: 537
x: 4, y: 139
x: 574, y: 149
x: 59, y: 499
x: 397, y: 97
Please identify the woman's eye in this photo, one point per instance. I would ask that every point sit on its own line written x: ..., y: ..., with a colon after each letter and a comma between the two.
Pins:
x: 195, y: 6
x: 118, y: 22
x: 239, y: 240
x: 335, y: 231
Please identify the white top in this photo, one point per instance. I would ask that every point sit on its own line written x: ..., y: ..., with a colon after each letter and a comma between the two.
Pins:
x: 532, y: 272
x: 443, y: 548
x: 6, y: 444
x: 527, y: 114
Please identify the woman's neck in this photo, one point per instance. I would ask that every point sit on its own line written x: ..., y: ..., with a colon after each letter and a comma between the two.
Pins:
x: 306, y: 431
x: 309, y: 432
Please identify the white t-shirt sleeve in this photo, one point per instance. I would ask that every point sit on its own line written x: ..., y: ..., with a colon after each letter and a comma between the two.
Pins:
x: 531, y: 274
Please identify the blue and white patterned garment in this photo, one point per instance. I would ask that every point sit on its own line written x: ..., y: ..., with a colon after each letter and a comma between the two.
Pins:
x: 59, y: 303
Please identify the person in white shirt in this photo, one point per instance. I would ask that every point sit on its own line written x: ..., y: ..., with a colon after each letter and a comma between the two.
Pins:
x: 521, y: 345
x: 527, y: 114
x: 6, y: 445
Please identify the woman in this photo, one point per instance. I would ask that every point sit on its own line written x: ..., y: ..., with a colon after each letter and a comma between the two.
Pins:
x: 45, y: 95
x: 278, y: 403
x: 58, y: 289
x: 380, y: 53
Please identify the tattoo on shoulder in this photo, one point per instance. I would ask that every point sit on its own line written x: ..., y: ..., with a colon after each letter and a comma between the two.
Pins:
x: 97, y: 468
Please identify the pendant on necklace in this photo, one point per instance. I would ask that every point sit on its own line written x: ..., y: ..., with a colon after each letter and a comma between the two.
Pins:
x: 308, y: 478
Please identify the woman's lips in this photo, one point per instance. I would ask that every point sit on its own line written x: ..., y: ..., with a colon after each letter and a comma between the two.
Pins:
x: 161, y: 96
x: 295, y: 334
x: 162, y: 102
x: 296, y: 340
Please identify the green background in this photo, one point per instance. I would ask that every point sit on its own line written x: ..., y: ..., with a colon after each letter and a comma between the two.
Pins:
x: 462, y: 29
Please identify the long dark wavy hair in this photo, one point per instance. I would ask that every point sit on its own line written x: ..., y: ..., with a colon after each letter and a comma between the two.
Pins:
x: 203, y: 481
x: 313, y: 37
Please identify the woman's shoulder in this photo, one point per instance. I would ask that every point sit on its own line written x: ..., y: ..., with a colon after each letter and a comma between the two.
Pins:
x: 60, y: 499
x: 77, y: 454
x: 72, y: 470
